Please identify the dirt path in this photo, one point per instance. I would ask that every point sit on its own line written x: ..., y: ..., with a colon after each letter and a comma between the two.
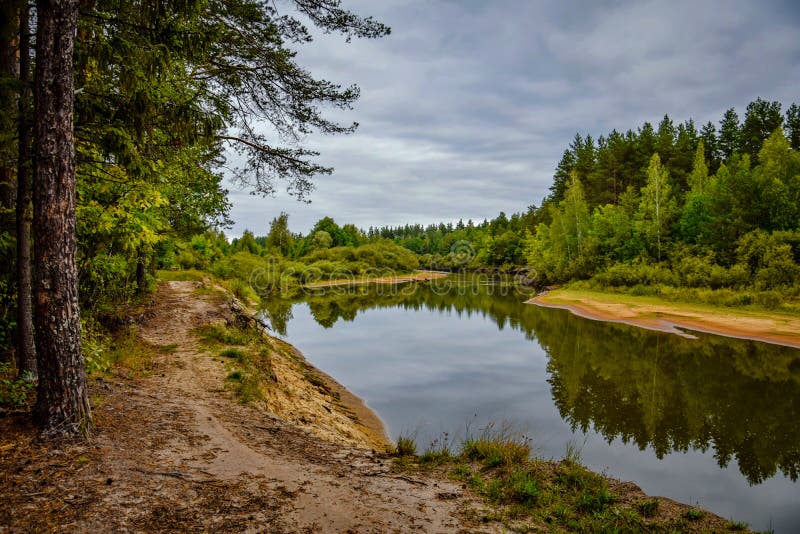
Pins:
x: 176, y: 452
x: 671, y: 317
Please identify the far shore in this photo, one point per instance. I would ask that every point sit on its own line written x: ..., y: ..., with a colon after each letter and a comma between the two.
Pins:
x: 412, y: 277
x: 676, y: 317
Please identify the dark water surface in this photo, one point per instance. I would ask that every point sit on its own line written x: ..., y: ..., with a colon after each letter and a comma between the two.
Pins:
x: 712, y: 420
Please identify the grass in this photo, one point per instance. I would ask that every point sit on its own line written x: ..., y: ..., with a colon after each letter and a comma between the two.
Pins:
x: 763, y: 303
x: 247, y: 357
x: 525, y: 493
x: 221, y: 334
x: 406, y: 446
x: 184, y: 275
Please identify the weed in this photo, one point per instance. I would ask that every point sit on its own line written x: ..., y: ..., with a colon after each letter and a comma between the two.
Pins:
x: 522, y: 487
x: 736, y: 525
x: 648, y: 507
x: 234, y: 354
x: 497, y: 447
x: 406, y: 446
x: 13, y: 392
x: 693, y: 514
x: 222, y: 334
x: 236, y: 375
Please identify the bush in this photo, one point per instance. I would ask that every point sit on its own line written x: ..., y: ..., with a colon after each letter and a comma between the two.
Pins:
x: 623, y: 274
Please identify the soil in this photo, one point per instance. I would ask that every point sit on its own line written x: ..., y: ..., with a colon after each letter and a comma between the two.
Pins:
x: 676, y: 318
x: 176, y: 452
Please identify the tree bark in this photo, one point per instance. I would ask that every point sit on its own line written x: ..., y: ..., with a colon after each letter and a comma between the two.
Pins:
x: 26, y: 352
x: 8, y: 71
x: 141, y: 274
x: 62, y: 406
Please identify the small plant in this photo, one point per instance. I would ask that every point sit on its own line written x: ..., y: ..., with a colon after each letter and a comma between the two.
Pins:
x: 13, y: 392
x: 522, y: 487
x: 497, y: 447
x: 234, y: 354
x: 222, y: 334
x: 406, y: 446
x: 693, y: 514
x: 236, y: 375
x: 648, y: 508
x: 736, y: 526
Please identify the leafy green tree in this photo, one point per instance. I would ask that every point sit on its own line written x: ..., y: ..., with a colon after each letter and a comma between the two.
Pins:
x: 657, y: 207
x: 279, y: 238
x: 321, y: 240
x: 698, y: 179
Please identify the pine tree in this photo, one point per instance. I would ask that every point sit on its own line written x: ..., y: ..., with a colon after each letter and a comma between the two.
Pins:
x: 761, y: 119
x: 62, y: 404
x: 793, y: 126
x: 729, y: 134
x: 708, y: 135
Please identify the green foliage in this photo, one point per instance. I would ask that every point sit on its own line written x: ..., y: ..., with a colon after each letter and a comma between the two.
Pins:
x: 14, y: 392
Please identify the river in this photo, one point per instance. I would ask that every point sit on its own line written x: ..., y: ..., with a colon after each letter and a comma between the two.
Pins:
x: 711, y: 421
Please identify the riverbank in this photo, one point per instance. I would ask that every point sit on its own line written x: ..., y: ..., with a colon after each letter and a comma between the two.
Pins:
x: 675, y: 317
x: 189, y: 442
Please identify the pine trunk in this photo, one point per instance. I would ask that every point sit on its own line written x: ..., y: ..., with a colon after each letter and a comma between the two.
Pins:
x: 26, y: 352
x: 8, y: 70
x: 62, y: 406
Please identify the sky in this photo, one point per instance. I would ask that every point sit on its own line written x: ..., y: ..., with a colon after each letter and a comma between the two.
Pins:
x: 467, y: 107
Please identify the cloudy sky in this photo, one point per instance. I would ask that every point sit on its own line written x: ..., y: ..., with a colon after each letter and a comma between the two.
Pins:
x: 468, y: 105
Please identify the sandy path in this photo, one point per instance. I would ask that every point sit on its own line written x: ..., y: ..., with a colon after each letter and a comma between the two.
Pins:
x: 332, y: 490
x: 175, y: 452
x: 775, y: 328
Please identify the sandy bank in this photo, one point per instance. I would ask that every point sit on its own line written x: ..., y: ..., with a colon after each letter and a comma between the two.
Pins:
x: 674, y: 317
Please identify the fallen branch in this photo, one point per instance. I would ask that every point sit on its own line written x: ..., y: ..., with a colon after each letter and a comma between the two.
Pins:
x: 173, y: 474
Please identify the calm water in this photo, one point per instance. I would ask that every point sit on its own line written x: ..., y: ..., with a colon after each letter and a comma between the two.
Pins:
x: 710, y: 420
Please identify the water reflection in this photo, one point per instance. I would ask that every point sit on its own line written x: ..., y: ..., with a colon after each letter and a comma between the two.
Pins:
x: 737, y: 398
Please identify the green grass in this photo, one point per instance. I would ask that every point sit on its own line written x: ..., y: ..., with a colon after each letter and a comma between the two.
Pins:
x: 648, y: 507
x: 497, y: 447
x: 247, y: 355
x: 406, y: 446
x: 220, y: 334
x: 527, y: 494
x: 234, y: 354
x: 183, y: 275
x: 693, y: 514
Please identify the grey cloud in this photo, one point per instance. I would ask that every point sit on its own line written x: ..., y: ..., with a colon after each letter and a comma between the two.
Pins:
x: 467, y: 106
